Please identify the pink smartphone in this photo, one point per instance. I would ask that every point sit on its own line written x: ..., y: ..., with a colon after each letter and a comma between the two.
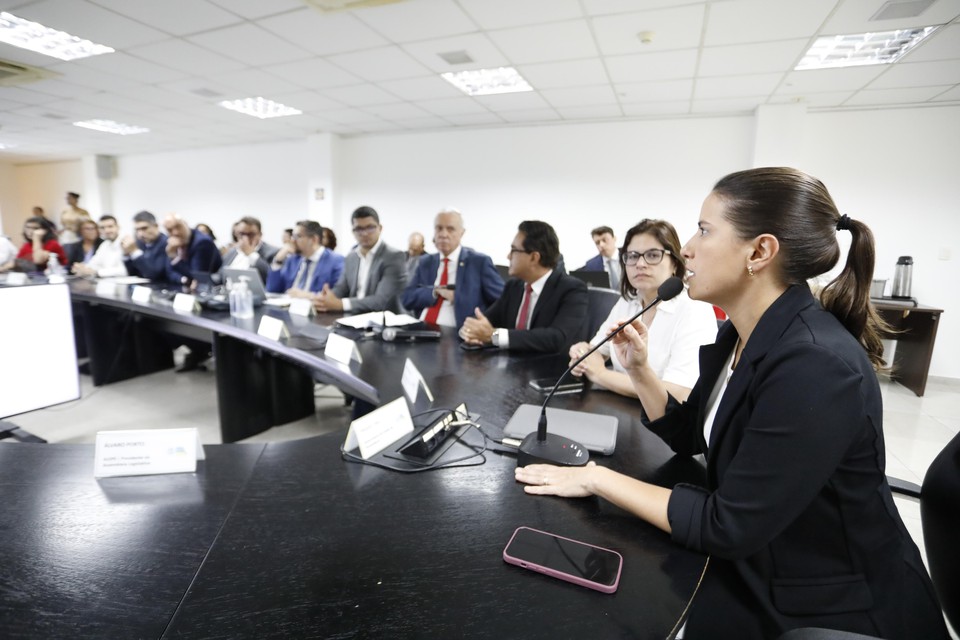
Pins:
x: 577, y: 562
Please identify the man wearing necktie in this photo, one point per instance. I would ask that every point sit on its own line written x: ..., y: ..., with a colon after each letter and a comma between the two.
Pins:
x: 303, y: 266
x: 607, y: 258
x: 541, y: 309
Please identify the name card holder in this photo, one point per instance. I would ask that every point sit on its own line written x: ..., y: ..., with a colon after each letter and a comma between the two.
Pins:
x: 16, y: 278
x: 412, y: 380
x: 272, y: 328
x: 141, y: 294
x: 140, y: 452
x: 185, y: 303
x: 107, y: 288
x: 301, y: 307
x: 341, y: 349
x: 379, y: 429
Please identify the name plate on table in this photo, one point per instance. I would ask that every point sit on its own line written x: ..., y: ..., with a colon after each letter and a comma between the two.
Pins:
x: 272, y: 328
x: 341, y: 349
x: 379, y: 429
x: 142, y: 452
x: 16, y: 278
x: 301, y: 307
x: 411, y: 381
x: 185, y: 303
x: 141, y: 294
x: 106, y: 288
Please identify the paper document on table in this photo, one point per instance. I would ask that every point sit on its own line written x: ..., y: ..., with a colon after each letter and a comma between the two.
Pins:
x: 282, y: 301
x: 126, y: 280
x: 376, y: 319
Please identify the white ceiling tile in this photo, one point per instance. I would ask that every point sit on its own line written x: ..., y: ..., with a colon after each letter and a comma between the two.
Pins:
x: 377, y: 127
x: 9, y: 105
x: 918, y: 74
x: 828, y: 99
x: 25, y: 96
x: 530, y: 115
x: 385, y: 63
x: 735, y: 86
x: 169, y: 15
x: 657, y: 108
x: 428, y: 88
x: 123, y: 64
x: 308, y: 101
x: 324, y: 33
x: 726, y: 105
x: 86, y: 20
x: 678, y: 28
x: 500, y: 14
x: 952, y: 95
x: 313, y: 73
x: 360, y: 95
x: 62, y: 89
x: 250, y: 44
x: 191, y: 86
x: 823, y: 80
x: 348, y: 116
x: 740, y: 59
x: 645, y: 67
x: 853, y: 16
x: 894, y: 96
x: 580, y: 96
x: 253, y: 9
x: 590, y: 113
x: 454, y: 107
x: 429, y: 122
x: 122, y: 103
x: 254, y: 82
x: 411, y: 21
x: 546, y: 43
x: 466, y: 120
x: 186, y: 56
x: 479, y: 47
x: 602, y: 7
x: 513, y: 101
x: 942, y: 45
x: 90, y: 76
x: 558, y: 75
x: 397, y: 112
x: 745, y: 21
x: 665, y: 91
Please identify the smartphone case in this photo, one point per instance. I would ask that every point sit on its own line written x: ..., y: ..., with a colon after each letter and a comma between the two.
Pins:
x: 526, y: 564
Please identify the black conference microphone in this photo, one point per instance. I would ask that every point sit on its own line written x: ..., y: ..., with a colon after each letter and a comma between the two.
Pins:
x: 540, y: 447
x: 391, y: 334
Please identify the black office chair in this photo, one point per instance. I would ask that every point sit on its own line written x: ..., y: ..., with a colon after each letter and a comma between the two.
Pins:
x: 600, y: 302
x: 940, y: 514
x: 503, y: 270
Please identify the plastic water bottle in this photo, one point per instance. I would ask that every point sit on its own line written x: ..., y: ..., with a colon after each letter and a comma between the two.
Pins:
x: 241, y: 300
x: 54, y: 271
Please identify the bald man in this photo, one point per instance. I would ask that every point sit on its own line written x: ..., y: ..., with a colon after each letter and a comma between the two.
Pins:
x: 189, y: 252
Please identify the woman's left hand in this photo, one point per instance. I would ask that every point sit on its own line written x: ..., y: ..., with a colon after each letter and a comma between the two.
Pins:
x: 548, y: 480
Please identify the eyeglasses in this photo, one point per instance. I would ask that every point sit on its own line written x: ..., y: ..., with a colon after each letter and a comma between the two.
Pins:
x: 370, y: 228
x: 247, y: 234
x: 514, y: 250
x: 651, y: 256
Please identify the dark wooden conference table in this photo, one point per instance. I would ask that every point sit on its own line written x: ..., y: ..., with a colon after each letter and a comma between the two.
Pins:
x: 289, y: 540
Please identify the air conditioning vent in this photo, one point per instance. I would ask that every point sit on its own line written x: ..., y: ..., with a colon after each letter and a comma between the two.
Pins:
x: 12, y: 73
x: 900, y: 9
x: 329, y: 6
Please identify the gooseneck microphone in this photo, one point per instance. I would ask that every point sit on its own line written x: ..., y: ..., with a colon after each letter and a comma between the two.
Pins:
x: 541, y: 447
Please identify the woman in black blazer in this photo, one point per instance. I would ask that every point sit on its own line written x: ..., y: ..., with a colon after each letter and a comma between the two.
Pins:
x: 797, y: 517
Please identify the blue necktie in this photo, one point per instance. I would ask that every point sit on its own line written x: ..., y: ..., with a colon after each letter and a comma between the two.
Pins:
x: 303, y: 276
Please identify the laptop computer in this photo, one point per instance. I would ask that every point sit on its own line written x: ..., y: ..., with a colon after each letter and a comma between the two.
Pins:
x: 231, y: 276
x: 598, y: 433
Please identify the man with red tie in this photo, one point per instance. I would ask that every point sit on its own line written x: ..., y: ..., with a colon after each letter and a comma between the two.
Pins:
x: 447, y: 286
x: 541, y: 308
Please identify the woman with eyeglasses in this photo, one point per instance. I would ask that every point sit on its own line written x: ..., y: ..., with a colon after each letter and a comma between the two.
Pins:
x: 41, y: 240
x: 650, y: 254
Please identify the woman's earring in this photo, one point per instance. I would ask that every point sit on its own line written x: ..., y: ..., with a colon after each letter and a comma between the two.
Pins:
x: 750, y: 271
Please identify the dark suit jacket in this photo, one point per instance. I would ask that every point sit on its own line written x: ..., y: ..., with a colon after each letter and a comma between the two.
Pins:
x: 797, y: 515
x: 267, y: 253
x: 327, y: 271
x: 202, y: 257
x: 153, y: 263
x: 388, y: 275
x: 74, y: 251
x: 558, y: 320
x: 478, y: 284
x: 594, y: 264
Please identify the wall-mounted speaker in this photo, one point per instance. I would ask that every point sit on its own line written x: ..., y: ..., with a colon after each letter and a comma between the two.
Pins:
x: 106, y: 167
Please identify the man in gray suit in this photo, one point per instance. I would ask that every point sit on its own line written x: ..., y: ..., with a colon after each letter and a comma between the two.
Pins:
x: 250, y: 252
x: 374, y: 274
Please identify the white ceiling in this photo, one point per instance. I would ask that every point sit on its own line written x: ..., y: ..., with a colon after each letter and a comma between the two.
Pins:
x: 376, y: 69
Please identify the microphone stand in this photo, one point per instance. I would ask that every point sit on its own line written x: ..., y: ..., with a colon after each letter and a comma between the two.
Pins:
x: 541, y: 447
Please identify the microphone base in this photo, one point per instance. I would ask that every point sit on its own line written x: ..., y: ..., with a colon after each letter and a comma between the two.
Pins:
x: 555, y: 450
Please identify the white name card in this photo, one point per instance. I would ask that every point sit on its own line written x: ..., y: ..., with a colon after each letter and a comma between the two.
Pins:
x: 380, y: 428
x: 16, y: 278
x: 301, y: 307
x: 411, y: 381
x: 55, y: 279
x: 341, y: 349
x: 106, y: 288
x: 185, y: 303
x: 144, y: 452
x: 272, y: 328
x: 141, y: 294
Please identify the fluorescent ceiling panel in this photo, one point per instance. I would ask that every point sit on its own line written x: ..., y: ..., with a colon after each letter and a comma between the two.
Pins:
x: 860, y: 49
x: 36, y: 37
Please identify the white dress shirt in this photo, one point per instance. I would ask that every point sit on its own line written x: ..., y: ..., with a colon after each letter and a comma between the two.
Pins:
x: 363, y: 273
x: 447, y: 316
x: 108, y: 260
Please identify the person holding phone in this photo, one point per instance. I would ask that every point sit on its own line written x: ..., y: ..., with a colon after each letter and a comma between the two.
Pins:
x: 797, y: 517
x: 650, y: 254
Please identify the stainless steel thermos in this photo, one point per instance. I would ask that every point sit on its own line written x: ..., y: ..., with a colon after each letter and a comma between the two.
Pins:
x: 902, y: 277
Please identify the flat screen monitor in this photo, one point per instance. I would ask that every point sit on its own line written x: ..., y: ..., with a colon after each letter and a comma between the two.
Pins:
x: 36, y: 348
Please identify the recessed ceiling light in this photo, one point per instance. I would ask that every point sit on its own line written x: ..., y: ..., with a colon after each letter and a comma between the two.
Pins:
x: 34, y: 36
x: 859, y: 49
x: 109, y: 126
x: 485, y: 82
x: 260, y: 108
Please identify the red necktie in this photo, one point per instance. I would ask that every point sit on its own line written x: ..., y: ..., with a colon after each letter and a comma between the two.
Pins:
x: 525, y: 307
x: 434, y: 312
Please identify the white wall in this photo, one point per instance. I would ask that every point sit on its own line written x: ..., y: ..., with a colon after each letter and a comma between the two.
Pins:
x: 45, y: 185
x: 9, y: 198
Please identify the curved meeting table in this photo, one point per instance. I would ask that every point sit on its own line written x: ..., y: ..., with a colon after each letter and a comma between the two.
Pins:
x: 289, y: 540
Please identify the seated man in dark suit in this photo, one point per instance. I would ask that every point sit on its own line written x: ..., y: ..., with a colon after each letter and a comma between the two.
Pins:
x: 373, y: 273
x: 250, y: 251
x: 146, y: 256
x: 448, y: 286
x: 190, y: 253
x: 607, y: 258
x: 541, y: 309
x: 304, y: 266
